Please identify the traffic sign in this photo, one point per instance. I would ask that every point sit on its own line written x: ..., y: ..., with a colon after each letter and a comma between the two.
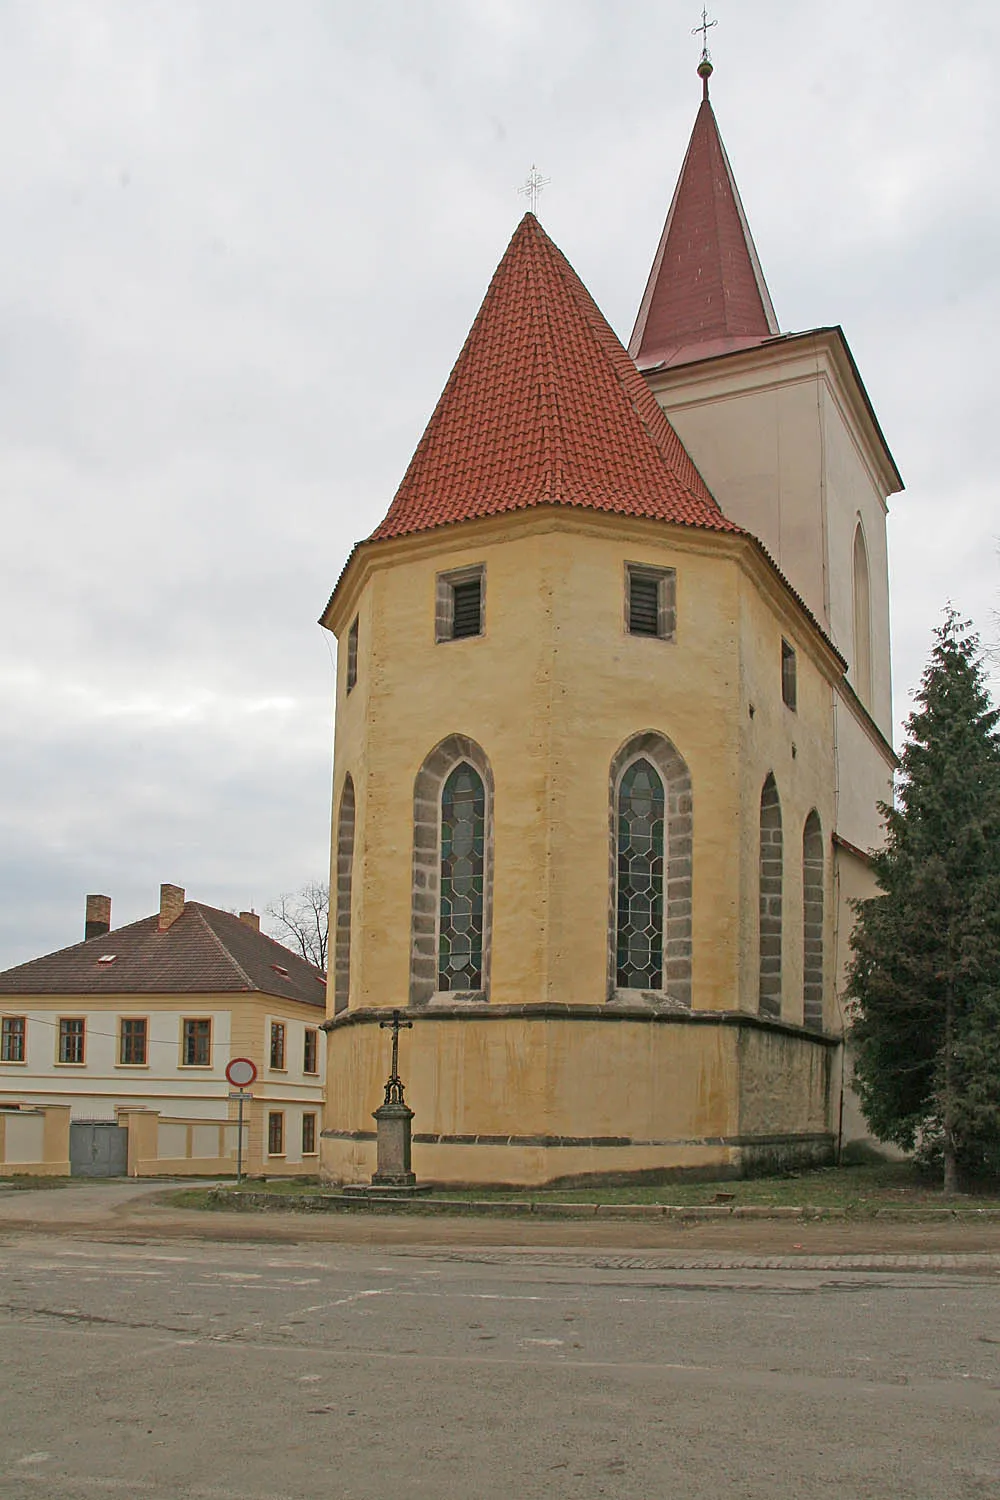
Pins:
x: 241, y: 1072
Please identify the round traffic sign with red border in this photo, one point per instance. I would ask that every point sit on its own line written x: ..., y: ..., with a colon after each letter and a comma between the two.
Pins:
x: 241, y: 1072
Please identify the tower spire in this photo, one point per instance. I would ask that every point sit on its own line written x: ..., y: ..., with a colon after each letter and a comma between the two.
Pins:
x: 706, y: 293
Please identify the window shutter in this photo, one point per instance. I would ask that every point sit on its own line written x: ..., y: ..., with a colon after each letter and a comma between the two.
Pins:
x: 643, y: 605
x: 468, y: 608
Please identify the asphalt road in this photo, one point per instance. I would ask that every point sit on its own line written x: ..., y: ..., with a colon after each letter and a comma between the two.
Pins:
x: 198, y: 1371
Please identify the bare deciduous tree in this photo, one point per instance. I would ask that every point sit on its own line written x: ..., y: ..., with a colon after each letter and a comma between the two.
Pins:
x: 301, y: 920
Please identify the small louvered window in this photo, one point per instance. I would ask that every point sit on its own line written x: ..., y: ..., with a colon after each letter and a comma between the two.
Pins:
x: 789, y: 685
x: 352, y: 656
x: 459, y: 607
x: 468, y: 608
x: 650, y: 601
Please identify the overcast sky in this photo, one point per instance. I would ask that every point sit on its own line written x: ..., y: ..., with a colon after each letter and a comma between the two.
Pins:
x: 242, y: 242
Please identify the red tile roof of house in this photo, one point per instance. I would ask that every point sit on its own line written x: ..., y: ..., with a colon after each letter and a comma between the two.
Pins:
x: 706, y: 293
x: 544, y: 407
x: 205, y: 951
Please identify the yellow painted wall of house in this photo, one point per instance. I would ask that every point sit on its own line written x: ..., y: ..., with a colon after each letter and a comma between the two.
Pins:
x: 164, y: 1089
x: 34, y: 1142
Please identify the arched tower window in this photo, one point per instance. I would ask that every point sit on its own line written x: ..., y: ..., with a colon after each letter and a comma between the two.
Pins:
x: 771, y: 882
x: 639, y: 944
x: 862, y: 620
x: 344, y: 875
x: 812, y: 922
x: 650, y: 870
x: 452, y: 895
x: 463, y: 870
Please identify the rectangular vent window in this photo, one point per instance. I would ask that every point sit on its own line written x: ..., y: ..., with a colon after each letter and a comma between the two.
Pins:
x: 352, y: 656
x: 459, y: 606
x: 468, y: 608
x: 789, y: 684
x: 644, y: 605
x: 651, y: 601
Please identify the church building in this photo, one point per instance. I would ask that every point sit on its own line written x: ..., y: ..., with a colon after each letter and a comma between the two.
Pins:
x: 613, y: 717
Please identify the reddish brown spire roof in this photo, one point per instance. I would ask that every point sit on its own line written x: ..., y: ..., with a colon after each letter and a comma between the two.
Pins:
x: 544, y: 407
x: 706, y: 292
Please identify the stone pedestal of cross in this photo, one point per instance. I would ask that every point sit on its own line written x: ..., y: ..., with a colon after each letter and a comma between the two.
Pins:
x: 393, y: 1117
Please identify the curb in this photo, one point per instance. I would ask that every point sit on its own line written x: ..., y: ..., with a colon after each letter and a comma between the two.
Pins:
x: 263, y: 1202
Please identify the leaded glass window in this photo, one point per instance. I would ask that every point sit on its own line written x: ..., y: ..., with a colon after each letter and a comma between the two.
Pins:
x: 640, y: 879
x: 463, y: 860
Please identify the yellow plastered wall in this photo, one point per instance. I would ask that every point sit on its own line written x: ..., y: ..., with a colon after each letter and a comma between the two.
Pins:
x: 34, y: 1142
x: 551, y: 691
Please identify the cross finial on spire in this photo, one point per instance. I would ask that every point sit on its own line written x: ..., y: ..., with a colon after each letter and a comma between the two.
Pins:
x: 705, y: 69
x: 534, y: 185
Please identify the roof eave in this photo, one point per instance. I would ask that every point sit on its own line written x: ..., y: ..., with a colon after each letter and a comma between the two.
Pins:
x: 834, y: 331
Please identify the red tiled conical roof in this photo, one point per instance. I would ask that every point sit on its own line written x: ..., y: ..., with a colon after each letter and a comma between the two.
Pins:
x: 544, y: 407
x: 706, y: 292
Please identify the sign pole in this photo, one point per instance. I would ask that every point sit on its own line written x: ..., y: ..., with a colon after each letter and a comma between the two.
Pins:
x: 241, y: 1072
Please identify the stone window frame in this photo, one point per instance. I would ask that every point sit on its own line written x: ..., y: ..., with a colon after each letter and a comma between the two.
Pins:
x: 426, y: 883
x: 813, y: 905
x: 678, y: 947
x: 770, y: 920
x: 444, y: 602
x: 343, y: 889
x: 666, y: 582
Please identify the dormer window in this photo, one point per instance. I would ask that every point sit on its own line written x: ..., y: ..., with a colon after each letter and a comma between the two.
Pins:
x: 459, y: 607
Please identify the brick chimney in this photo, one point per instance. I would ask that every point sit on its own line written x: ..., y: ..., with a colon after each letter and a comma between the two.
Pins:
x: 98, y: 920
x: 251, y: 919
x: 171, y: 905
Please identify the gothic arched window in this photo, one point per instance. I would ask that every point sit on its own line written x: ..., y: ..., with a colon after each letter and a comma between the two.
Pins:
x: 452, y: 893
x: 812, y: 922
x: 650, y: 852
x: 771, y: 885
x: 463, y: 871
x: 343, y: 874
x: 639, y: 938
x: 862, y: 620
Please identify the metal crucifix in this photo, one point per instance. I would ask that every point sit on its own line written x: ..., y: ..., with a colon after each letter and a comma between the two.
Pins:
x: 534, y: 186
x: 704, y: 29
x: 394, y: 1087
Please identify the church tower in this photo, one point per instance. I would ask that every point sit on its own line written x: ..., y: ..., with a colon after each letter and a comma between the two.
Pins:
x: 586, y: 785
x: 785, y: 435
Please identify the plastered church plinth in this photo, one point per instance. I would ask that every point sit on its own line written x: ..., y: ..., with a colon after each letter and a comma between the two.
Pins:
x: 604, y: 762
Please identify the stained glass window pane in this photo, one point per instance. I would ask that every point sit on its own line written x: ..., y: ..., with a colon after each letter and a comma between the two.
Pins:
x: 640, y: 879
x: 463, y: 851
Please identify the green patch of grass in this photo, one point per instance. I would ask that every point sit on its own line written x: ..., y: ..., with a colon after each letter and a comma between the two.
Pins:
x: 860, y: 1191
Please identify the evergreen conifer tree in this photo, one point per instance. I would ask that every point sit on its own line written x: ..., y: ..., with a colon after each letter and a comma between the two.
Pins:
x: 925, y: 975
